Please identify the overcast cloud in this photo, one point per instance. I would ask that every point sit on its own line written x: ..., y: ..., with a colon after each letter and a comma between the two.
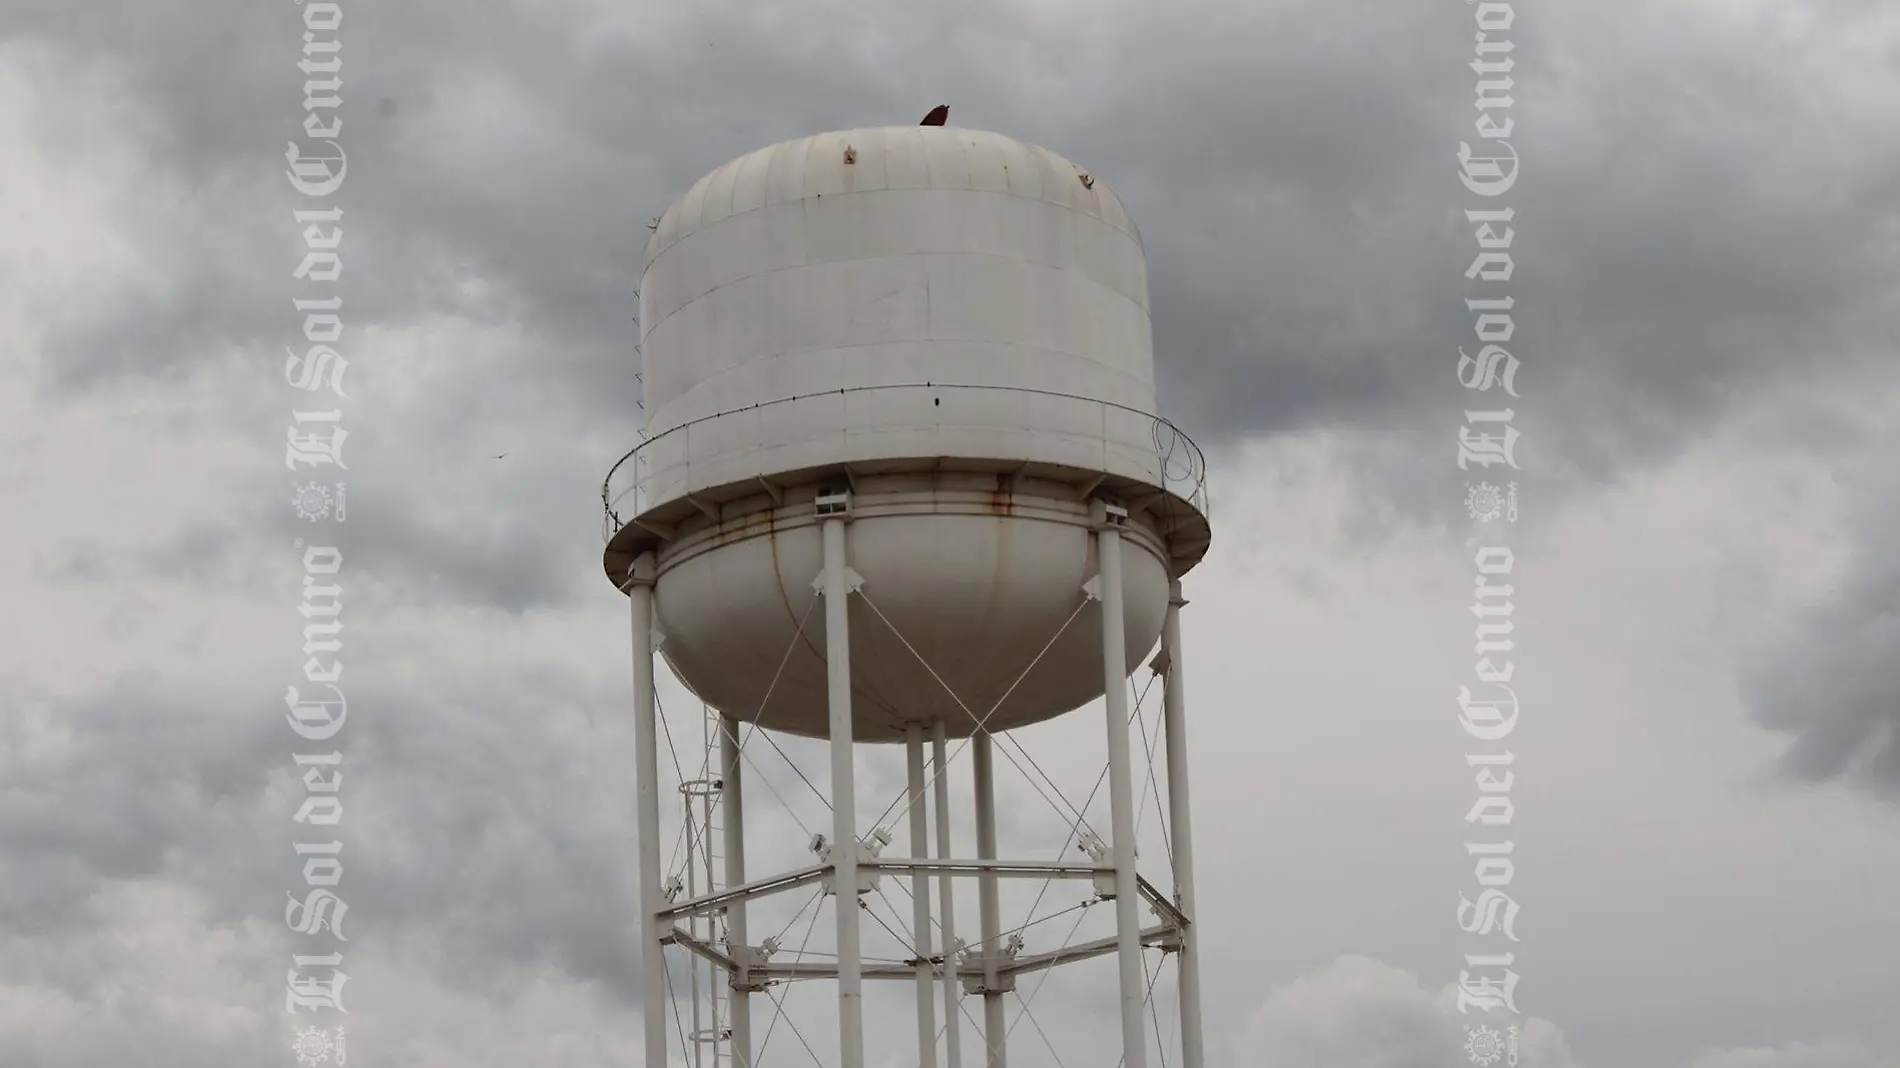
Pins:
x: 1708, y: 242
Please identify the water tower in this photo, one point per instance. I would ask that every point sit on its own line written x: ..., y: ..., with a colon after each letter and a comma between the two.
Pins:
x: 904, y: 375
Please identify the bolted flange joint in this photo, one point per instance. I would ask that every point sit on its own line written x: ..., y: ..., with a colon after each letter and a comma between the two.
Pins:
x: 977, y: 983
x: 752, y: 961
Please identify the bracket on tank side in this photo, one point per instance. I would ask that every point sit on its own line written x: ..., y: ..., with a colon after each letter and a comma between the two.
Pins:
x: 1104, y: 513
x: 644, y: 571
x: 833, y: 502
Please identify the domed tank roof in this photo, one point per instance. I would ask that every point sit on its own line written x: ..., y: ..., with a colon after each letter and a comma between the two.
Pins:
x: 886, y: 157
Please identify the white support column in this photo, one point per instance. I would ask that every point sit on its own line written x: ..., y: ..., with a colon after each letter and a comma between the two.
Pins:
x: 694, y: 1048
x: 1121, y: 789
x: 647, y: 791
x: 1181, y: 826
x: 844, y: 846
x: 734, y: 801
x: 718, y: 992
x: 920, y: 900
x: 989, y: 909
x: 946, y: 903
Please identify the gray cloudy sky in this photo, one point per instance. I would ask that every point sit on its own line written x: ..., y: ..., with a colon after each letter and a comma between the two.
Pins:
x: 1708, y: 590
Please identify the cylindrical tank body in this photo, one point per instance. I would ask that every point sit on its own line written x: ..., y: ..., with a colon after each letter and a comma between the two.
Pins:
x: 954, y: 326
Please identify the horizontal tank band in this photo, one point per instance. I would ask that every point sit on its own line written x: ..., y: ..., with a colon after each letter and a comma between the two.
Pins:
x: 1180, y: 524
x: 939, y: 493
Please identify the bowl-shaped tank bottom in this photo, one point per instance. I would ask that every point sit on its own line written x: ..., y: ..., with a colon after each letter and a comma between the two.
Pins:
x: 953, y: 612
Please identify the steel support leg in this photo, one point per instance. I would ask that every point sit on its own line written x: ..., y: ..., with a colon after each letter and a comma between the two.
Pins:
x: 647, y: 792
x: 844, y: 847
x: 1181, y: 826
x: 734, y: 802
x: 946, y: 905
x: 1121, y: 796
x: 920, y: 901
x: 990, y: 911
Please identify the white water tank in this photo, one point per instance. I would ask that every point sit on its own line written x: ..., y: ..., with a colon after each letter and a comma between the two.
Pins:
x: 952, y: 326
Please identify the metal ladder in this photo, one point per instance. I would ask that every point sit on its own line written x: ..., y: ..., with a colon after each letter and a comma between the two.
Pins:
x: 711, y: 1034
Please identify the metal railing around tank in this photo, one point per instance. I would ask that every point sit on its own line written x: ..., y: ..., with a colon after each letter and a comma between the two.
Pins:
x: 1180, y: 464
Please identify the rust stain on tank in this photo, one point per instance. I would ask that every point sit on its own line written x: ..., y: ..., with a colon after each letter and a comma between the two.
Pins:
x: 746, y: 526
x: 769, y: 519
x: 1002, y: 499
x: 1002, y: 503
